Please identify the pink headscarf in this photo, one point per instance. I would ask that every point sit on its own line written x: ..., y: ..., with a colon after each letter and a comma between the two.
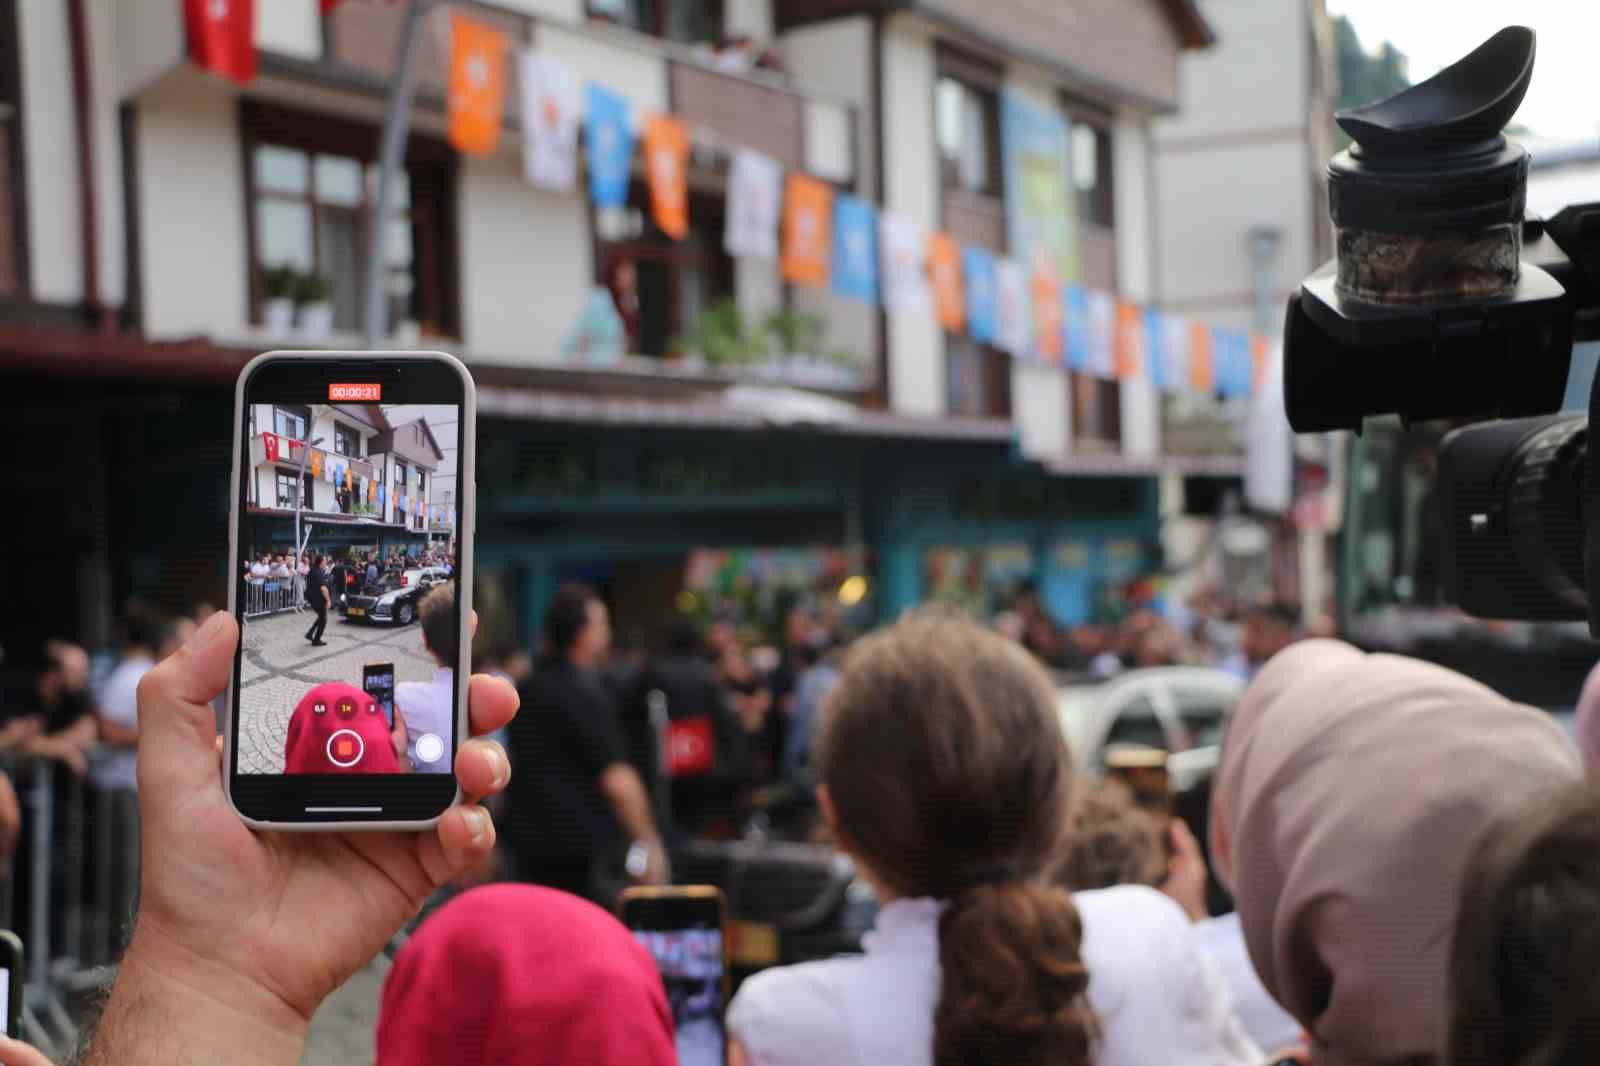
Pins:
x: 508, y: 974
x: 1352, y: 790
x: 1586, y: 723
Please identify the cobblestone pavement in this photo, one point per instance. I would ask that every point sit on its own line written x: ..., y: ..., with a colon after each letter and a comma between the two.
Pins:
x: 344, y: 1028
x: 280, y: 665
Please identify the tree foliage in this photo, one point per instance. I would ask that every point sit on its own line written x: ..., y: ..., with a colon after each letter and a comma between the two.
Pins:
x: 1365, y: 77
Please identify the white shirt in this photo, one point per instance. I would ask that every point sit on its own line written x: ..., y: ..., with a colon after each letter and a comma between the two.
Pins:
x: 1156, y: 999
x: 119, y: 704
x: 258, y: 572
x: 1221, y: 940
x: 427, y: 707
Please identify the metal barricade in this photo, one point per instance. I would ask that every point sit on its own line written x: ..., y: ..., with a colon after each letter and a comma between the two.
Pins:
x: 273, y: 596
x: 78, y: 868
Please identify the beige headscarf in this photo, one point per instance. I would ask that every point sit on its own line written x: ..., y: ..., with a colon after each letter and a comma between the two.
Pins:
x: 1352, y: 789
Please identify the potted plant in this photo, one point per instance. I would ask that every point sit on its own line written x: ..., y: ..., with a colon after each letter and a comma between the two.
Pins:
x: 279, y: 285
x: 315, y: 309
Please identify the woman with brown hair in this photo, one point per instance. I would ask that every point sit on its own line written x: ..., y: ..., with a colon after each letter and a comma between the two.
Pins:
x: 945, y: 776
x: 1524, y: 989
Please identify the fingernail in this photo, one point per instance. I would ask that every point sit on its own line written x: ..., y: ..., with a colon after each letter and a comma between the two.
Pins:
x: 477, y: 824
x: 502, y: 767
x: 208, y: 632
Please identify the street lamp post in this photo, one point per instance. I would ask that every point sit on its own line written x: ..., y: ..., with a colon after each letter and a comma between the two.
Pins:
x: 300, y: 492
x: 396, y: 121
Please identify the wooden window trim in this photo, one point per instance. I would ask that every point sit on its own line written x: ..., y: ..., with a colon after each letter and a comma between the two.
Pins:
x: 435, y: 261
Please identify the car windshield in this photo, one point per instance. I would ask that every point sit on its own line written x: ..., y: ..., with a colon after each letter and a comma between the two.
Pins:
x: 388, y: 583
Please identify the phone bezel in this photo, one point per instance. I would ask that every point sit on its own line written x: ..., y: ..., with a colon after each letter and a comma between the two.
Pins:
x: 11, y: 960
x: 403, y: 801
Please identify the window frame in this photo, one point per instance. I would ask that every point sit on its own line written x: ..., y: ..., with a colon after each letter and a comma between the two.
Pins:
x: 281, y: 413
x: 306, y: 500
x: 345, y: 437
x: 985, y: 81
x: 1099, y: 206
x: 431, y: 167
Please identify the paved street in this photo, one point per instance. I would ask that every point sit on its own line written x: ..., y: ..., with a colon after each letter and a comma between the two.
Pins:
x: 280, y: 665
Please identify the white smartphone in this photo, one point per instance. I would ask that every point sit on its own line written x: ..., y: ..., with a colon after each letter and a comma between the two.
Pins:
x: 350, y: 559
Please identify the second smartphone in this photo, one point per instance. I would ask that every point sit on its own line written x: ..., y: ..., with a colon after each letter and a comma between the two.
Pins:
x: 684, y: 929
x: 351, y: 565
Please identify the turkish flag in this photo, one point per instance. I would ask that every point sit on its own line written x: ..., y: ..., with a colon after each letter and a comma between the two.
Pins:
x: 691, y: 747
x: 328, y: 6
x: 270, y: 442
x: 222, y: 36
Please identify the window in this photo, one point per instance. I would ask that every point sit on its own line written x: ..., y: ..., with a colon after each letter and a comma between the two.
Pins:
x: 659, y: 285
x: 309, y: 185
x: 422, y: 483
x: 967, y: 126
x: 977, y: 379
x: 287, y: 498
x: 1091, y: 170
x: 346, y: 441
x: 401, y: 473
x: 291, y: 422
x: 1096, y: 411
x: 686, y: 21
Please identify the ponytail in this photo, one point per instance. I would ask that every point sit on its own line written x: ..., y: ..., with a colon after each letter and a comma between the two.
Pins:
x: 1015, y: 987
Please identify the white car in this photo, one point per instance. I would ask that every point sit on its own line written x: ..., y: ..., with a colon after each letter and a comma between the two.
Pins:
x: 1181, y: 709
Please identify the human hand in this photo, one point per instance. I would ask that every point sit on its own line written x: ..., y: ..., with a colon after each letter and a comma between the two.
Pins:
x: 1186, y: 871
x: 265, y: 925
x: 10, y: 821
x: 19, y: 730
x: 16, y: 1053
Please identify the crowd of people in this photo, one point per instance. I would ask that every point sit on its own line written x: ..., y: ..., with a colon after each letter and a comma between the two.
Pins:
x: 278, y: 580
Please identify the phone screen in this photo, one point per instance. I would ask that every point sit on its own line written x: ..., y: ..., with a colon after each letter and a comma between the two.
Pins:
x: 685, y: 938
x: 377, y: 681
x: 347, y: 571
x: 7, y: 1023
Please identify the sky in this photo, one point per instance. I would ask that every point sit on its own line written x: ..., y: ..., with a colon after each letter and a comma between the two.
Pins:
x: 1564, y: 100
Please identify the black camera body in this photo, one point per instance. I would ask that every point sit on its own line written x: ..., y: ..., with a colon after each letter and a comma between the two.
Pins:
x: 1448, y: 301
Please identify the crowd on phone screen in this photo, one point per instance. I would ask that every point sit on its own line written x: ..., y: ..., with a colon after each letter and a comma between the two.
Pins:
x: 1414, y: 860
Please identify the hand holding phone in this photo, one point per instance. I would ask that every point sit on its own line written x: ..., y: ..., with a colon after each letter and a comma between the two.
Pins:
x: 350, y: 459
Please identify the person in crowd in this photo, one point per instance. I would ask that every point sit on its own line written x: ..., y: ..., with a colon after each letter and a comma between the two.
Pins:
x: 372, y: 572
x: 48, y: 709
x: 1586, y: 721
x: 1526, y: 949
x: 319, y: 599
x: 621, y: 280
x: 750, y: 695
x: 1352, y: 790
x: 799, y: 635
x: 338, y: 729
x: 426, y: 708
x: 1265, y: 631
x: 1158, y: 645
x: 229, y: 960
x: 146, y: 638
x: 280, y: 571
x: 1112, y: 841
x: 511, y: 973
x: 599, y: 335
x: 816, y: 684
x: 703, y: 764
x: 260, y: 569
x: 575, y: 800
x: 945, y: 776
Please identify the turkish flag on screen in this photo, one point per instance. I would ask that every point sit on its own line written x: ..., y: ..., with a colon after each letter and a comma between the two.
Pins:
x: 222, y: 36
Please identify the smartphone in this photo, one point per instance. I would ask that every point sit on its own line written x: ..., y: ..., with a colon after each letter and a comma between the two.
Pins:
x: 377, y: 681
x: 684, y: 928
x: 341, y: 459
x: 11, y: 980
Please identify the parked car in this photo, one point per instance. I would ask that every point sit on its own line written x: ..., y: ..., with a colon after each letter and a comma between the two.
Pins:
x: 395, y: 599
x: 1180, y: 709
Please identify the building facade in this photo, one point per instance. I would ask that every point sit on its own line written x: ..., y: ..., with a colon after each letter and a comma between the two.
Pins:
x: 147, y: 210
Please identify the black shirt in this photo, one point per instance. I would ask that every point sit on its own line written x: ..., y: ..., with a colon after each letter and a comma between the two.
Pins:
x: 314, y: 586
x: 562, y: 740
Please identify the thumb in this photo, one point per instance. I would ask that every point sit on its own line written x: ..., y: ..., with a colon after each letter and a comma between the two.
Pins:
x: 177, y: 730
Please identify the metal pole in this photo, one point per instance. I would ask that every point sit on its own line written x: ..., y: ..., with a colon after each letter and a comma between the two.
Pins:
x: 396, y: 122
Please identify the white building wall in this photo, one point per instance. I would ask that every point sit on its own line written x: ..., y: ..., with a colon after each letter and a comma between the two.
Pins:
x: 750, y: 18
x: 104, y: 77
x: 916, y: 345
x: 559, y: 10
x: 289, y: 27
x: 527, y: 261
x: 836, y: 57
x: 54, y: 221
x: 639, y: 73
x: 191, y: 205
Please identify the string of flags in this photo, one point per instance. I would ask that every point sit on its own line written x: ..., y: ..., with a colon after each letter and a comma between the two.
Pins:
x: 332, y: 469
x: 819, y: 236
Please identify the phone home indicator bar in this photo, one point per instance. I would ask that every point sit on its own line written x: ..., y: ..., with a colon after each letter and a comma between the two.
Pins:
x: 344, y: 810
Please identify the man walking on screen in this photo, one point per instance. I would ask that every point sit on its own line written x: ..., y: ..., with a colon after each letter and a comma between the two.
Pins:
x: 318, y: 599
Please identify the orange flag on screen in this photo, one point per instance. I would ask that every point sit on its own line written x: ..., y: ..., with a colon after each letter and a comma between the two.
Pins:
x: 666, y: 154
x: 1258, y: 361
x: 372, y: 491
x: 316, y: 463
x: 1049, y: 336
x: 807, y: 230
x: 1202, y: 367
x: 1129, y: 349
x: 944, y: 274
x: 477, y: 85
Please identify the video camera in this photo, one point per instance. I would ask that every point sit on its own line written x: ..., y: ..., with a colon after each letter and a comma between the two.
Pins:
x: 1447, y: 300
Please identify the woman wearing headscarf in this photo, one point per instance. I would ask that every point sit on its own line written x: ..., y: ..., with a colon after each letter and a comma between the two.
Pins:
x: 1352, y: 790
x: 1586, y: 722
x: 509, y: 974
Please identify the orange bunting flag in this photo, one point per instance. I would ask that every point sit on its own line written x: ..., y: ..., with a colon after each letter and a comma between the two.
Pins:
x: 347, y: 477
x: 807, y: 230
x: 1259, y: 354
x: 1202, y: 367
x: 666, y: 153
x: 372, y: 491
x: 944, y: 272
x: 1128, y: 358
x: 316, y: 462
x: 477, y: 85
x: 1049, y: 322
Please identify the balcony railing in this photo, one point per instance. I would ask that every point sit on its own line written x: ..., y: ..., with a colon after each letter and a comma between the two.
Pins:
x: 291, y: 451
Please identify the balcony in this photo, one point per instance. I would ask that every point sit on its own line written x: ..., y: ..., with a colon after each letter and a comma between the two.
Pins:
x: 291, y: 452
